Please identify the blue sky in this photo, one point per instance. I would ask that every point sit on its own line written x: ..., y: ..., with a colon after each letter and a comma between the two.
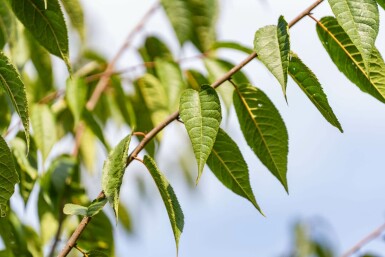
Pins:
x: 337, y: 177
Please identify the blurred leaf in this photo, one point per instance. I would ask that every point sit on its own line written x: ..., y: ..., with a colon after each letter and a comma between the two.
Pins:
x: 152, y: 48
x: 310, y: 85
x: 381, y: 3
x: 113, y: 171
x: 8, y: 176
x: 125, y: 218
x: 170, y: 75
x: 88, y: 150
x: 64, y: 120
x: 14, y: 88
x: 96, y: 253
x: 173, y: 208
x: 43, y: 124
x: 124, y: 105
x: 218, y: 68
x: 204, y: 14
x: 195, y: 79
x: 75, y: 13
x: 179, y: 16
x: 349, y: 61
x: 360, y: 20
x: 95, y: 127
x: 5, y: 114
x: 26, y: 166
x: 201, y: 114
x: 272, y: 44
x: 47, y: 25
x: 7, y: 23
x: 76, y: 96
x: 263, y: 128
x: 232, y: 45
x: 94, y: 208
x: 227, y: 164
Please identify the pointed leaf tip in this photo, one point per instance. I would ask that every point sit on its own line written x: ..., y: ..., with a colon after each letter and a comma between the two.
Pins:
x: 201, y: 114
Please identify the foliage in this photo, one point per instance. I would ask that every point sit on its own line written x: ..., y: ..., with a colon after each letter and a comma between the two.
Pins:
x: 95, y: 97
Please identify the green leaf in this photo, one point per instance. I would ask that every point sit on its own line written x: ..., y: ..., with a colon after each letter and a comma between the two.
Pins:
x: 310, y: 85
x: 8, y: 176
x: 125, y: 218
x: 124, y: 105
x: 76, y: 96
x: 232, y: 45
x: 272, y: 45
x: 75, y: 13
x: 196, y: 79
x: 166, y: 191
x: 218, y: 68
x: 179, y: 16
x: 349, y: 60
x: 154, y: 97
x: 94, y: 208
x: 204, y: 15
x: 7, y: 22
x: 5, y: 114
x: 26, y: 166
x: 170, y: 75
x: 75, y: 209
x: 113, y: 171
x: 47, y: 25
x: 96, y: 253
x: 201, y: 114
x: 360, y: 20
x: 95, y: 127
x: 43, y: 124
x: 227, y: 164
x: 381, y: 3
x: 14, y: 88
x: 263, y: 128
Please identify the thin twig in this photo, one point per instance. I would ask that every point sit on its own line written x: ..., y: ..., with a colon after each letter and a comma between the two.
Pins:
x: 373, y: 235
x: 149, y: 136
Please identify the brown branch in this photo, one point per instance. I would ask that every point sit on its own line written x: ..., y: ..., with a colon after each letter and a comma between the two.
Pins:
x: 149, y: 136
x: 373, y: 235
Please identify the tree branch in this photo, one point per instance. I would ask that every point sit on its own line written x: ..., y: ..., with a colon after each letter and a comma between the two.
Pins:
x: 373, y: 235
x: 150, y: 135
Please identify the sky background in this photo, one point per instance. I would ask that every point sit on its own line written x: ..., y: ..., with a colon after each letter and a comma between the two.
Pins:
x: 333, y: 177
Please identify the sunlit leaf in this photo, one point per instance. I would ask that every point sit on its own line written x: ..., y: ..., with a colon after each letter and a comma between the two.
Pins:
x: 232, y: 45
x: 349, y: 60
x: 263, y: 128
x: 76, y: 96
x: 44, y: 131
x: 113, y: 171
x: 75, y: 13
x: 14, y: 88
x: 360, y: 20
x: 173, y: 208
x: 179, y: 16
x: 8, y: 176
x: 201, y: 114
x: 47, y: 25
x: 94, y: 208
x: 272, y: 45
x: 195, y: 79
x: 227, y: 164
x: 310, y: 85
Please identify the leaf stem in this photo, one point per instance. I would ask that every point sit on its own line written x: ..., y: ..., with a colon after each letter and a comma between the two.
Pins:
x: 149, y: 136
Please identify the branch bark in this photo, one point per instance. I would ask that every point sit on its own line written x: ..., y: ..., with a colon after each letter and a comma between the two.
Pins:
x: 150, y: 135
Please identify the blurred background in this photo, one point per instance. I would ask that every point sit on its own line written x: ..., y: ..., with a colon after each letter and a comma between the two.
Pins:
x: 336, y: 181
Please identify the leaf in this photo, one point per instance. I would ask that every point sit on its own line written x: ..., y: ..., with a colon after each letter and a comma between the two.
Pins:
x: 5, y: 114
x: 227, y: 164
x: 125, y: 218
x: 360, y: 20
x: 7, y: 22
x: 75, y: 13
x: 170, y: 75
x: 349, y: 61
x: 204, y: 15
x: 201, y: 114
x: 95, y: 127
x: 232, y: 45
x: 195, y: 79
x: 263, y: 128
x: 8, y: 176
x: 94, y: 208
x: 44, y: 130
x: 15, y: 89
x: 310, y: 85
x: 76, y: 96
x: 381, y: 3
x: 96, y: 253
x: 166, y: 191
x: 124, y: 105
x: 179, y: 16
x: 47, y: 25
x: 113, y: 171
x: 272, y: 45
